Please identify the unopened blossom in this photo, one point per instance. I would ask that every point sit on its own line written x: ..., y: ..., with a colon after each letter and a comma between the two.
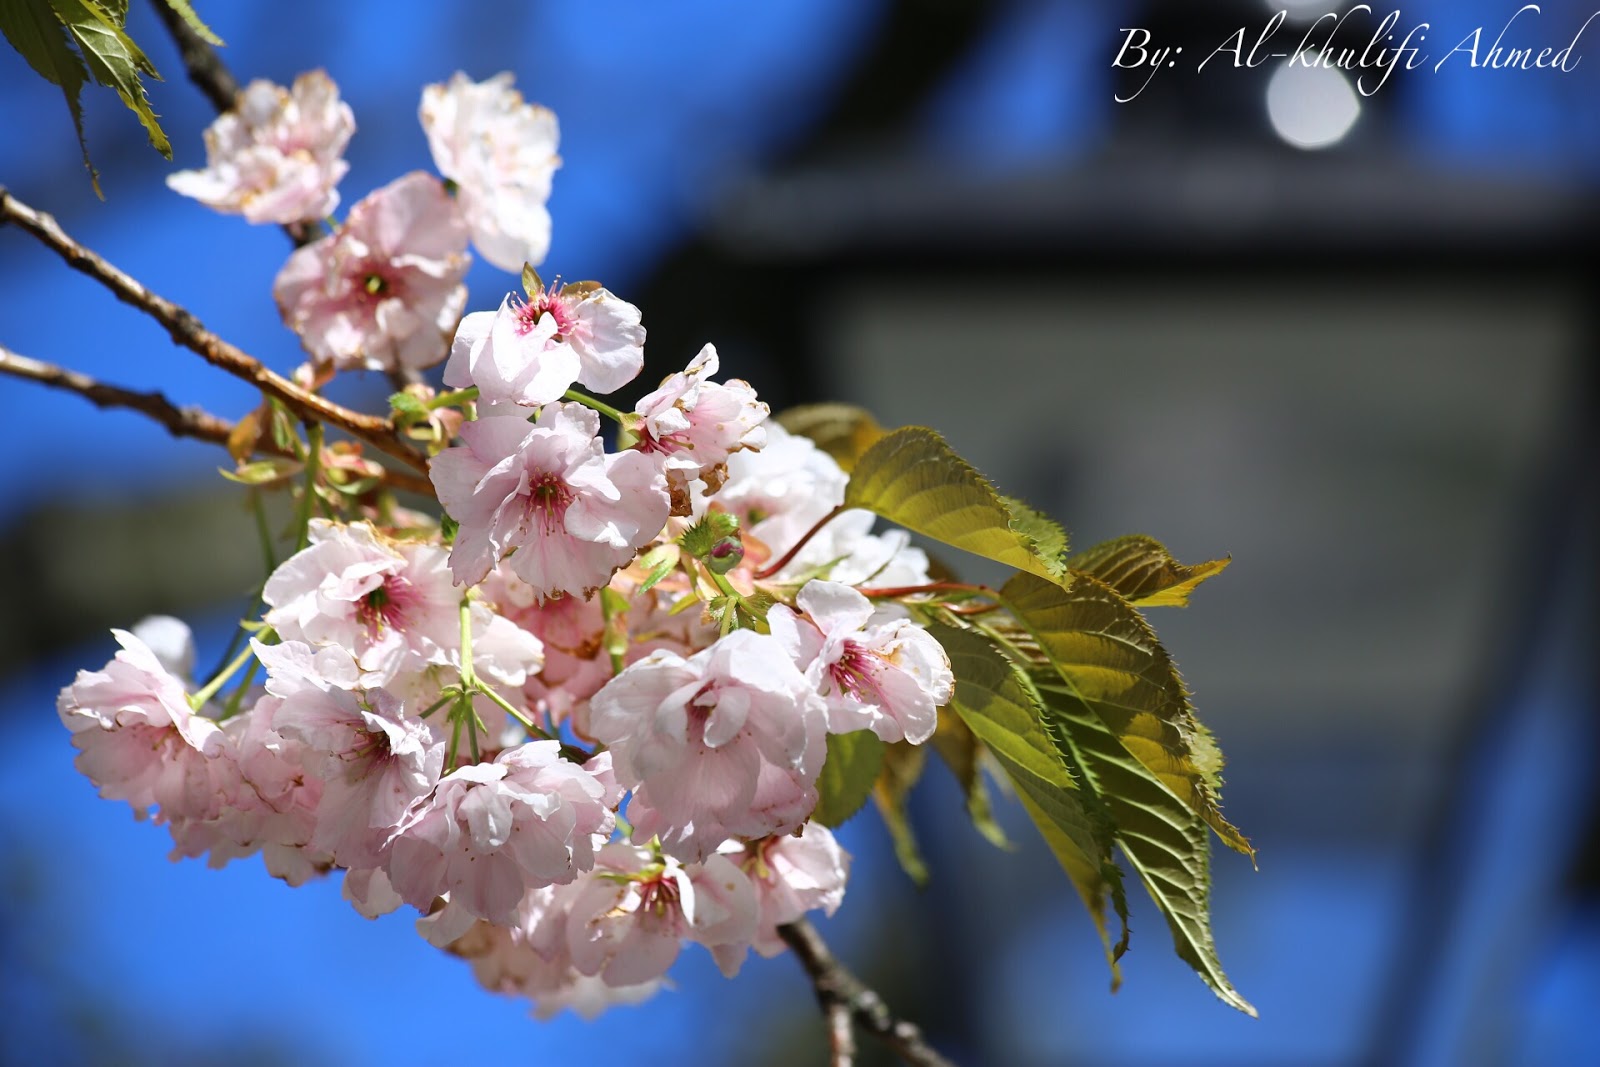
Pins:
x: 512, y: 359
x: 278, y: 155
x: 393, y: 606
x: 492, y: 831
x: 372, y: 760
x: 385, y: 291
x: 551, y: 494
x: 697, y: 424
x: 627, y: 920
x: 501, y: 153
x: 726, y: 743
x: 889, y: 678
x: 139, y: 741
x: 792, y: 874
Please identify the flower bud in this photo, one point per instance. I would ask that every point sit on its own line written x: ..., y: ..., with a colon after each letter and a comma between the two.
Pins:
x: 725, y: 555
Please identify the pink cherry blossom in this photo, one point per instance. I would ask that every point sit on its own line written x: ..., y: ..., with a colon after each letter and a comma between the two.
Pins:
x: 889, y: 678
x: 697, y: 424
x: 726, y: 743
x: 628, y: 919
x: 570, y: 512
x: 391, y: 605
x: 372, y: 760
x: 278, y: 155
x: 139, y: 741
x: 501, y: 153
x: 792, y: 874
x: 512, y: 359
x: 492, y: 831
x: 604, y: 330
x: 385, y: 291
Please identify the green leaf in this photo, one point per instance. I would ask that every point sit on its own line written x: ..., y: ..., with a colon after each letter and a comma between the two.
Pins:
x: 911, y: 477
x: 1167, y: 845
x: 847, y: 776
x: 113, y: 60
x: 958, y: 747
x: 902, y: 767
x: 408, y: 405
x: 35, y: 32
x: 699, y: 539
x: 264, y: 471
x: 660, y: 560
x: 997, y: 702
x: 843, y: 431
x: 1110, y: 657
x: 532, y: 284
x: 1143, y: 572
x: 186, y: 12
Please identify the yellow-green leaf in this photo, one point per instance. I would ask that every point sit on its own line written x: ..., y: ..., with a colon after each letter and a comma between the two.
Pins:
x: 1143, y: 572
x: 958, y: 747
x: 843, y: 431
x: 997, y: 702
x: 902, y: 767
x: 913, y: 478
x: 1166, y: 844
x: 1107, y: 654
x: 847, y: 776
x: 113, y: 60
x: 34, y: 31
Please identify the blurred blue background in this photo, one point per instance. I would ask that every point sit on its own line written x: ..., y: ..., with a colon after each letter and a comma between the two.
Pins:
x: 1365, y: 370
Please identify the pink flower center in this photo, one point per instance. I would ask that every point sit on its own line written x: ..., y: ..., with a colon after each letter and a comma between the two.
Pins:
x: 387, y: 605
x: 547, y: 302
x: 856, y: 672
x: 658, y: 894
x: 548, y: 497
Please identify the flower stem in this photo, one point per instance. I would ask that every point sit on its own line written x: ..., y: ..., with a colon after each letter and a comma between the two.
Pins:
x: 308, y: 503
x: 598, y: 405
x: 783, y: 560
x: 198, y: 699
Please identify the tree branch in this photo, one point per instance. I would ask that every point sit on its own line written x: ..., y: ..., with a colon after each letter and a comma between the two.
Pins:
x: 187, y: 331
x: 191, y: 422
x: 840, y: 993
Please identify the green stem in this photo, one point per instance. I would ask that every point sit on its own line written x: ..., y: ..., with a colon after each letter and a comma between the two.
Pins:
x: 450, y: 399
x: 468, y: 679
x: 308, y: 503
x: 598, y: 405
x: 197, y: 700
x: 263, y: 529
x: 231, y: 709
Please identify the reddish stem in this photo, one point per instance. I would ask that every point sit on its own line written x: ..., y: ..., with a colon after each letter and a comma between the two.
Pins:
x: 783, y: 560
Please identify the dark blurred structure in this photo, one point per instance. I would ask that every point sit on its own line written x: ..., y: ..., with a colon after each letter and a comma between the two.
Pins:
x: 1366, y: 371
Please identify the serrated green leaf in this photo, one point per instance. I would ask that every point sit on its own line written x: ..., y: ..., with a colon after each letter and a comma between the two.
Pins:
x: 1166, y: 844
x: 113, y: 60
x: 699, y: 539
x: 843, y: 431
x: 997, y: 702
x: 186, y: 12
x: 34, y: 31
x: 902, y: 767
x: 958, y: 747
x: 913, y: 478
x: 847, y: 776
x: 1143, y: 572
x: 1107, y: 653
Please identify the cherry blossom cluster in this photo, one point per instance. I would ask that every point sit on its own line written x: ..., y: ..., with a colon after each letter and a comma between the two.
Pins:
x: 577, y: 720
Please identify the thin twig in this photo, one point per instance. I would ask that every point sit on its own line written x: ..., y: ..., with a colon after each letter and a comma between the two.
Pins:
x: 192, y: 422
x: 187, y: 331
x: 773, y: 568
x: 839, y: 990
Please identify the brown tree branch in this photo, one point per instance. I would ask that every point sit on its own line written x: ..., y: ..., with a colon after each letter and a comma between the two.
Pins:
x: 190, y: 422
x: 841, y: 993
x: 187, y: 331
